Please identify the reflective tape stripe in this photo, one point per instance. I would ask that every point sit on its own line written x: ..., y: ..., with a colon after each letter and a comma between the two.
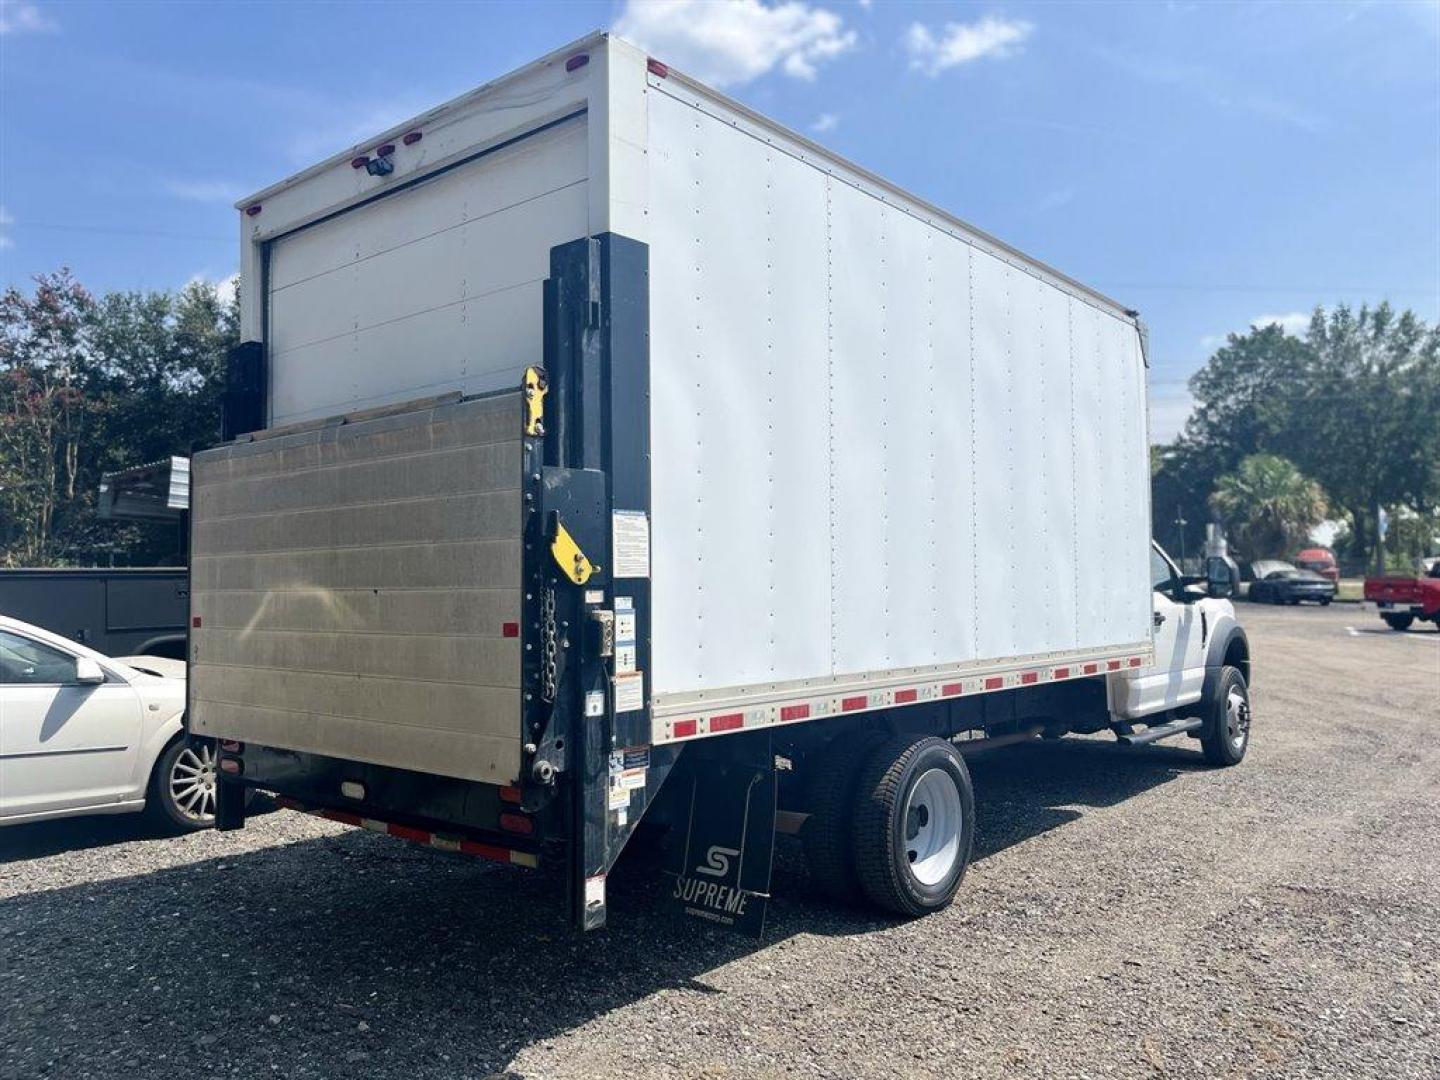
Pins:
x: 417, y: 836
x: 703, y: 724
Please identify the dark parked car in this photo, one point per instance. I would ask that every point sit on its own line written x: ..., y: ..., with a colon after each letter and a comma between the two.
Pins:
x: 1292, y: 586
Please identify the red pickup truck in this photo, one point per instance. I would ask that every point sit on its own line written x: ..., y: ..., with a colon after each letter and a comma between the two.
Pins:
x: 1402, y: 600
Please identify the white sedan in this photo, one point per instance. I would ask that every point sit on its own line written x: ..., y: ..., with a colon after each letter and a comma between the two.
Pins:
x: 81, y: 733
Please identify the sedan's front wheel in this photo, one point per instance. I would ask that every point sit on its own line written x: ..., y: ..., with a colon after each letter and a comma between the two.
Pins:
x: 182, y: 788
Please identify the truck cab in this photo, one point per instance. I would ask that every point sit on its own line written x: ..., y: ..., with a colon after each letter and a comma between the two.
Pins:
x: 1196, y: 638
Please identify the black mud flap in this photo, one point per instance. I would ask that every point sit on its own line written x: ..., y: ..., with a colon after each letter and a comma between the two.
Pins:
x: 722, y: 870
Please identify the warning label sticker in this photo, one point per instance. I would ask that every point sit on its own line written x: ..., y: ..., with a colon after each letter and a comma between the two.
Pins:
x: 630, y: 692
x: 630, y: 541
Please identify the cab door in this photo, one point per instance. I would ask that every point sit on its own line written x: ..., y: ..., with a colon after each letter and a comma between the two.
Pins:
x: 1177, y: 676
x: 64, y: 744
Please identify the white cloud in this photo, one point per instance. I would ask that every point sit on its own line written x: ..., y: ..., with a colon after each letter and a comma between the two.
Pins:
x: 736, y: 41
x: 224, y: 287
x: 20, y: 17
x: 825, y: 122
x: 1294, y: 322
x: 6, y: 220
x: 961, y: 43
x: 206, y: 191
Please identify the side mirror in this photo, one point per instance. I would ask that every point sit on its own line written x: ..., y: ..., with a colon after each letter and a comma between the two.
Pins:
x: 88, y: 672
x: 1220, y: 577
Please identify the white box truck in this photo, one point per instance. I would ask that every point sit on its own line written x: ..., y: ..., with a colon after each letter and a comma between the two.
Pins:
x: 600, y: 449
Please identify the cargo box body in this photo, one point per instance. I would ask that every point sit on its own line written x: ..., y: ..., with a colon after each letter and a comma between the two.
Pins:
x: 854, y: 453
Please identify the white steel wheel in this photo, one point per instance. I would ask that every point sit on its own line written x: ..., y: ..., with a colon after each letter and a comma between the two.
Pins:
x: 182, y: 790
x: 1226, y: 735
x: 914, y: 825
x: 1237, y: 719
x: 933, y: 826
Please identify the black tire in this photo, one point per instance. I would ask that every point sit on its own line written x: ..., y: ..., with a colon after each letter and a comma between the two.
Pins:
x: 827, y: 835
x: 1226, y: 734
x: 1325, y: 602
x: 169, y: 779
x: 1398, y: 622
x: 888, y: 821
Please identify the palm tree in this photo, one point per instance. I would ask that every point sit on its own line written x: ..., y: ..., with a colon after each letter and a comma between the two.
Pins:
x: 1269, y: 505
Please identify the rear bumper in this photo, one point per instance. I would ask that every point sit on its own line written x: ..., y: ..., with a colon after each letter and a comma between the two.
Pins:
x: 471, y: 817
x: 1392, y: 607
x: 444, y: 841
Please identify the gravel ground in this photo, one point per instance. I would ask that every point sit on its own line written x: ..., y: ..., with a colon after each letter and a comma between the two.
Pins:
x: 1130, y: 913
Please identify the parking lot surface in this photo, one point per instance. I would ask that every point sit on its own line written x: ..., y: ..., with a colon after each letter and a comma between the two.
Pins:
x: 1131, y: 913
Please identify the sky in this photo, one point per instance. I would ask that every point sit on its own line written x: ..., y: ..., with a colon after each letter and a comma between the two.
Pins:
x: 1214, y: 165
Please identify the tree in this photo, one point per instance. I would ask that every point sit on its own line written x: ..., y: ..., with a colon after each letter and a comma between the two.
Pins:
x: 1269, y: 506
x: 1363, y: 417
x: 45, y: 413
x: 1239, y: 396
x: 89, y: 386
x: 1352, y: 404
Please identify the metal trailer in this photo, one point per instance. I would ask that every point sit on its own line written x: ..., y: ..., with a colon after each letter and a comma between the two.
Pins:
x: 602, y: 450
x: 119, y: 611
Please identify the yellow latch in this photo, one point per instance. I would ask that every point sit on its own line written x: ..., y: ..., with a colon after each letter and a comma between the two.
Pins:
x: 568, y: 556
x: 536, y: 386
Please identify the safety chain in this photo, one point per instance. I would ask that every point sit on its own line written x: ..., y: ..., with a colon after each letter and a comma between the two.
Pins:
x: 548, y: 643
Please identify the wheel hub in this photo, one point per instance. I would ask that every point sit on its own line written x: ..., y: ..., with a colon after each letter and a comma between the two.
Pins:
x: 933, y: 825
x: 1237, y: 719
x: 192, y: 782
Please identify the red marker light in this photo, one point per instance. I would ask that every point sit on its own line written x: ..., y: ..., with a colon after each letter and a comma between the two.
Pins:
x: 411, y: 138
x: 360, y: 162
x: 576, y: 62
x: 253, y: 209
x: 195, y: 622
x: 655, y: 67
x: 510, y: 629
x: 386, y: 150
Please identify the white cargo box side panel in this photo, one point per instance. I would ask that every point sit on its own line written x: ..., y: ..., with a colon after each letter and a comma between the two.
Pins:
x: 740, y: 410
x: 877, y: 447
x: 350, y: 586
x: 428, y: 288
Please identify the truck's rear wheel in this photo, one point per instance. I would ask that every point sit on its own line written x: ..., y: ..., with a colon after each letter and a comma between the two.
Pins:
x: 914, y: 825
x: 1398, y: 622
x: 1226, y: 735
x: 828, y: 835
